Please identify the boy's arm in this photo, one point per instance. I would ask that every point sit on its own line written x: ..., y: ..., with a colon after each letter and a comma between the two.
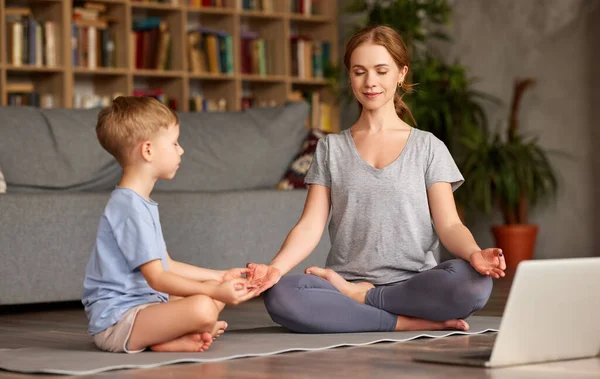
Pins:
x: 193, y: 272
x: 172, y: 283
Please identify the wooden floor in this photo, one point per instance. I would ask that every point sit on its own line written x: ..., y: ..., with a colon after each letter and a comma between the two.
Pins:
x: 23, y: 327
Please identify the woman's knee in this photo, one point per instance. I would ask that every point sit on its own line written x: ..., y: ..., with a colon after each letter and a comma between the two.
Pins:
x: 284, y: 294
x: 470, y: 289
x: 479, y: 286
x: 277, y: 297
x: 478, y: 292
x: 287, y: 301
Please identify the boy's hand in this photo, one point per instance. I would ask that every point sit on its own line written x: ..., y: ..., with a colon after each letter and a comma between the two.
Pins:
x: 234, y: 273
x: 233, y: 292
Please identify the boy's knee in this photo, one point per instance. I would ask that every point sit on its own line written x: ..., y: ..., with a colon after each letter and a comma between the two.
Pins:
x: 204, y: 309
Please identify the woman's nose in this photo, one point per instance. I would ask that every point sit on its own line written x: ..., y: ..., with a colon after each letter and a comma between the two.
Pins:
x: 370, y: 81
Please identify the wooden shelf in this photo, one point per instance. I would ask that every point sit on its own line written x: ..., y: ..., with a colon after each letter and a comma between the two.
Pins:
x: 159, y: 6
x: 259, y: 14
x: 312, y: 82
x: 311, y: 19
x: 32, y: 68
x: 264, y: 79
x: 209, y: 76
x: 275, y: 27
x: 158, y: 73
x: 212, y: 10
x: 111, y: 1
x: 100, y: 71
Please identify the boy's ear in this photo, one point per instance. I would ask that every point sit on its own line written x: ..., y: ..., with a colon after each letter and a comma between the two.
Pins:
x: 146, y: 150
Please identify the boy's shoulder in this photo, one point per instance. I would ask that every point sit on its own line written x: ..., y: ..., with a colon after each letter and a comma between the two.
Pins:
x: 125, y: 203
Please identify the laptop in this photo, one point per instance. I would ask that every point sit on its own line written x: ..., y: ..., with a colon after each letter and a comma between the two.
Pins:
x: 552, y: 313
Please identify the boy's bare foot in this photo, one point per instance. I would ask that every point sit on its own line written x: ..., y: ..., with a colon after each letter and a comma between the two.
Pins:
x: 193, y: 342
x: 219, y: 329
x: 409, y: 323
x: 356, y: 291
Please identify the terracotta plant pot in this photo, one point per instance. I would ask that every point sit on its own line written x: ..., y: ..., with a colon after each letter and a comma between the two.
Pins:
x: 516, y: 241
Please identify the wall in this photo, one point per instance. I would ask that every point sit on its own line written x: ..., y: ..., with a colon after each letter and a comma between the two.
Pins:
x: 593, y: 68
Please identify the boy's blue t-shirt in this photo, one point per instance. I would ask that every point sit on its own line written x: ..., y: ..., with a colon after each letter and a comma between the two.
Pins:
x: 129, y: 235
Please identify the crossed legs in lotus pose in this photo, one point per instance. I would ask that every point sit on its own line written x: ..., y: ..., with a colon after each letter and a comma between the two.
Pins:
x: 323, y: 302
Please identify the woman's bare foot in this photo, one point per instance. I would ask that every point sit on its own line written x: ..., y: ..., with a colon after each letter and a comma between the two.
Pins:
x: 356, y: 291
x: 219, y: 329
x: 409, y: 323
x: 194, y: 342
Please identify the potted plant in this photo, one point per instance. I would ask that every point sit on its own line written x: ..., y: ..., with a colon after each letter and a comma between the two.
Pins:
x: 416, y: 20
x: 512, y: 173
x: 444, y: 101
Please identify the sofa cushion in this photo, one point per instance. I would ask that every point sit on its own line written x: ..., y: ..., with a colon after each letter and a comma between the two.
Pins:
x: 294, y: 176
x: 54, y: 149
x: 237, y: 150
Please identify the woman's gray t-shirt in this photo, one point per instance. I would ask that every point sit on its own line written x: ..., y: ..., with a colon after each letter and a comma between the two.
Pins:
x: 381, y: 228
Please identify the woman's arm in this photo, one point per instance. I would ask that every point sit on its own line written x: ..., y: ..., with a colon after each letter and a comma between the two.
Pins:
x: 300, y: 242
x: 456, y: 237
x: 304, y: 237
x: 452, y: 232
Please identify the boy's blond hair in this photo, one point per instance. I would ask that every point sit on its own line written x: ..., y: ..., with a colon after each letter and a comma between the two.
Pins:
x: 129, y: 121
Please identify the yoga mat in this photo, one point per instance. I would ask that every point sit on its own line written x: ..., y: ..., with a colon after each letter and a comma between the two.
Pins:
x: 82, y: 357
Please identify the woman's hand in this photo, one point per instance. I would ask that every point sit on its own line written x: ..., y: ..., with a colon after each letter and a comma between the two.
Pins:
x: 489, y: 262
x: 262, y: 276
x: 234, y: 273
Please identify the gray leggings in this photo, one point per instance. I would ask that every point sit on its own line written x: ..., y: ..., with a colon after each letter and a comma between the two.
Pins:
x: 309, y: 304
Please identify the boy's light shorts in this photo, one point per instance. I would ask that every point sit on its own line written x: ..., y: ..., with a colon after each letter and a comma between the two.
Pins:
x: 116, y: 338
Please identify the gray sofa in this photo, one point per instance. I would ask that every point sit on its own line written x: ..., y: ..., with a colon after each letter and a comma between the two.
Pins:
x: 220, y: 211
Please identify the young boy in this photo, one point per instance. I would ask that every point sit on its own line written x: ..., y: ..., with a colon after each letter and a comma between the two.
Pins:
x: 135, y: 295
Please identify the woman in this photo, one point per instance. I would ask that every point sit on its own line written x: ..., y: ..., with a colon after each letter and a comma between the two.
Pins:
x: 384, y: 183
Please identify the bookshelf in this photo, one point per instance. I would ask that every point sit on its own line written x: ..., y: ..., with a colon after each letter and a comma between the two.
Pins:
x: 63, y: 78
